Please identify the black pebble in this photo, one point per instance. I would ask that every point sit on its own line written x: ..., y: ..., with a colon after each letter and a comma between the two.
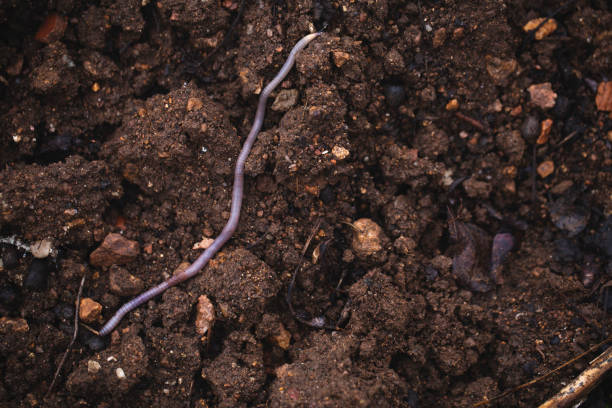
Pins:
x: 96, y: 343
x: 64, y: 311
x: 530, y: 129
x: 327, y: 195
x: 9, y: 295
x: 562, y: 106
x: 555, y: 340
x: 10, y: 257
x: 395, y: 94
x: 36, y: 278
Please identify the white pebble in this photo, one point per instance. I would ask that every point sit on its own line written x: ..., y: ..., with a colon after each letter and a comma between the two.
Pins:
x: 120, y: 373
x: 340, y: 152
x: 41, y: 249
x: 93, y: 366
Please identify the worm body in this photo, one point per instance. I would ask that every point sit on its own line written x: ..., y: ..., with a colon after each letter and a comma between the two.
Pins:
x: 237, y: 194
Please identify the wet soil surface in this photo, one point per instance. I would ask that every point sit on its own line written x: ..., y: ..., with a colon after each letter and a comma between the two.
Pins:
x: 453, y: 170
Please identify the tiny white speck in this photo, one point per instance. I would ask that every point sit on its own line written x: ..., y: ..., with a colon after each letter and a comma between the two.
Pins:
x: 204, y: 149
x: 111, y: 358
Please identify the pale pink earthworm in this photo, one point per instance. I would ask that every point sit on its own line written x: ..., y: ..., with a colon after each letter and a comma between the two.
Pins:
x: 237, y: 193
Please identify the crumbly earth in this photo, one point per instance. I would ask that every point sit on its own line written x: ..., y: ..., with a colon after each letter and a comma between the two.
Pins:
x: 413, y: 115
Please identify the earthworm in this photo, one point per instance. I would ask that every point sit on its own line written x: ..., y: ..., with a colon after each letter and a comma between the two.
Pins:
x: 237, y: 193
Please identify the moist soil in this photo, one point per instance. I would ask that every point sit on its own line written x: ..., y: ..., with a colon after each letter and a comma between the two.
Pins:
x: 126, y: 117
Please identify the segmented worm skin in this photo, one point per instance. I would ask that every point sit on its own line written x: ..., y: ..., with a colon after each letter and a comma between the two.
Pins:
x: 237, y: 193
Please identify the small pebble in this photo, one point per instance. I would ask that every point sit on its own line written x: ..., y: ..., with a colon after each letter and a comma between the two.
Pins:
x: 545, y: 132
x: 367, y: 237
x: 203, y: 244
x: 52, y: 28
x: 500, y: 69
x: 96, y: 343
x: 205, y: 315
x: 115, y: 250
x: 603, y: 100
x: 283, y: 337
x: 37, y: 275
x: 10, y: 257
x: 542, y: 95
x: 41, y: 249
x: 439, y: 37
x: 89, y: 310
x: 555, y: 340
x: 340, y: 58
x: 194, y: 104
x: 546, y: 168
x: 93, y: 366
x: 340, y: 152
x: 9, y: 295
x: 120, y: 373
x: 395, y: 94
x: 452, y: 105
x: 64, y: 311
x: 544, y: 30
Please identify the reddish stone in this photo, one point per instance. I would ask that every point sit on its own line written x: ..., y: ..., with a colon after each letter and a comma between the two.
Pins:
x: 115, y: 250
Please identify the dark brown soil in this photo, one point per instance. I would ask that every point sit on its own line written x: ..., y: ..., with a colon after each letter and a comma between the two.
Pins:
x: 127, y: 117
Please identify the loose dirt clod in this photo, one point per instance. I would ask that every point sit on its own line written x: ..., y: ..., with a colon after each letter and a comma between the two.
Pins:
x: 123, y: 283
x: 368, y: 237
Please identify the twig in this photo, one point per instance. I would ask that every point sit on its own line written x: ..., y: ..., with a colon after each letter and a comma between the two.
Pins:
x: 487, y: 401
x: 583, y: 384
x: 318, y: 322
x: 74, y: 336
x: 477, y: 124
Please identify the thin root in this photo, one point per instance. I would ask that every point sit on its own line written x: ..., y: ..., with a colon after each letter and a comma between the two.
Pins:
x: 74, y: 336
